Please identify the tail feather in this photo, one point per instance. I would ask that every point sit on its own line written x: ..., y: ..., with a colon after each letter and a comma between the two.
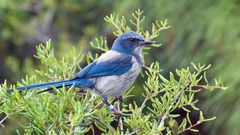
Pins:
x: 48, y: 85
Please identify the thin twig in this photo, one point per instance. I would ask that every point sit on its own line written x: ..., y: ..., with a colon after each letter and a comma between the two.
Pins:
x: 93, y: 97
x: 161, y: 124
x: 142, y: 106
x: 190, y: 127
x: 4, y: 120
x: 165, y: 116
x: 132, y: 133
x: 120, y: 118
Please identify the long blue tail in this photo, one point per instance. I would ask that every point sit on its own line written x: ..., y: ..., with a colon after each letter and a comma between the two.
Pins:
x: 59, y: 84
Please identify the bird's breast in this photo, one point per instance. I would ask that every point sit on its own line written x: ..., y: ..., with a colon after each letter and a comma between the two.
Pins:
x: 115, y: 85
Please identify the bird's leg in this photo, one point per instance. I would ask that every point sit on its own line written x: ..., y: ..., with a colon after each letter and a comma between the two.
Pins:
x: 115, y: 99
x: 110, y: 106
x: 120, y: 99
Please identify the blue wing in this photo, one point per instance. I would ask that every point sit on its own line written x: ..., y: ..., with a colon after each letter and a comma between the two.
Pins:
x: 109, y: 64
x: 116, y: 65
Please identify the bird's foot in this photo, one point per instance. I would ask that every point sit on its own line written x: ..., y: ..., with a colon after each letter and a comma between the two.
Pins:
x: 117, y: 112
x: 114, y: 110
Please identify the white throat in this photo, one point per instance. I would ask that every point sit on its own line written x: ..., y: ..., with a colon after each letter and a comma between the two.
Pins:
x: 138, y: 51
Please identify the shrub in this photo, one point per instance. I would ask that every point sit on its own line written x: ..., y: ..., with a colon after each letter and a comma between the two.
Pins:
x: 69, y: 111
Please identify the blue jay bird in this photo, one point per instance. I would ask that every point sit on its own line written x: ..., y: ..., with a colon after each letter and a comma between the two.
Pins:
x: 111, y: 74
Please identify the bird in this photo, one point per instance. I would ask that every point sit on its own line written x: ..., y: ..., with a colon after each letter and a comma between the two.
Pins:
x: 112, y: 74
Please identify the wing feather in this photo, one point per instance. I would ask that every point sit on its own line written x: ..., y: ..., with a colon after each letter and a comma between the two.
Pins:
x: 108, y: 64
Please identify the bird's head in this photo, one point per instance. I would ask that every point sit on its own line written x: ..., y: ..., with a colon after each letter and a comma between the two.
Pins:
x: 130, y: 43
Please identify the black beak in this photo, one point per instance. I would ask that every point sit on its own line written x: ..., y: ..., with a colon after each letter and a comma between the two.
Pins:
x: 147, y: 42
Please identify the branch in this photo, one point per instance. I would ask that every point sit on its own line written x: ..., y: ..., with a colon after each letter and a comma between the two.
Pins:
x: 4, y: 120
x: 167, y: 112
x: 120, y: 118
x: 142, y: 106
x: 161, y: 124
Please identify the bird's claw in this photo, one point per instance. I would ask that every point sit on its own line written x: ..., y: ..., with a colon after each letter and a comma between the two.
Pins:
x: 116, y: 112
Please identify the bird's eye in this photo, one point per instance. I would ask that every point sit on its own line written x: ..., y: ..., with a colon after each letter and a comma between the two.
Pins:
x: 132, y: 39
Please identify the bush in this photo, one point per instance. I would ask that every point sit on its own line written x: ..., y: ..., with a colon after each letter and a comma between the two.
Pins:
x: 68, y: 111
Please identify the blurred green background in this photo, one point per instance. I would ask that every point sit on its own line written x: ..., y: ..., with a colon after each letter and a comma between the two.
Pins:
x: 202, y: 31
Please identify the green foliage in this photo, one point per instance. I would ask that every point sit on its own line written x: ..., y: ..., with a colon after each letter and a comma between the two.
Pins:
x: 122, y: 26
x: 204, y: 32
x: 58, y: 69
x: 69, y: 111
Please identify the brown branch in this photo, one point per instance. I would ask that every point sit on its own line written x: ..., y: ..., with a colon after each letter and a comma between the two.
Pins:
x: 190, y: 127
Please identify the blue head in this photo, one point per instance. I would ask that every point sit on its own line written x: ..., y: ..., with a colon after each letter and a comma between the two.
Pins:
x: 130, y: 43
